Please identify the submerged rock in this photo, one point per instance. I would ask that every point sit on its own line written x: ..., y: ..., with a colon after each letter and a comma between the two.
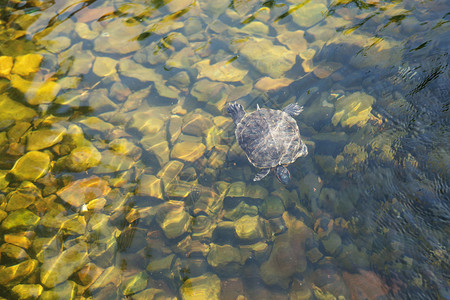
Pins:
x: 135, y: 284
x: 27, y: 291
x: 206, y: 286
x: 197, y: 123
x: 44, y: 138
x: 17, y: 272
x: 273, y: 60
x: 21, y: 218
x: 353, y: 110
x: 174, y: 220
x: 57, y: 269
x: 118, y: 37
x: 187, y: 151
x: 6, y: 64
x: 26, y: 64
x: 36, y: 92
x: 65, y: 290
x: 225, y: 259
x: 365, y: 284
x: 32, y: 166
x: 249, y: 228
x: 150, y: 185
x: 80, y: 159
x: 82, y: 191
x: 12, y: 110
x: 288, y: 253
x: 309, y: 14
x: 221, y: 71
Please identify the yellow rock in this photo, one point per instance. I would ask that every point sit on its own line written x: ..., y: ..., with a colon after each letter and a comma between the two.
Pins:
x: 170, y: 171
x: 353, y: 110
x: 248, y: 228
x: 221, y: 71
x: 151, y: 186
x: 12, y: 110
x: 31, y: 166
x: 104, y: 66
x: 187, y: 151
x: 26, y: 64
x: 177, y: 5
x: 205, y: 287
x: 6, y: 63
x: 294, y: 40
x: 36, y: 92
x: 18, y: 271
x: 82, y: 191
x: 268, y: 84
x: 196, y: 124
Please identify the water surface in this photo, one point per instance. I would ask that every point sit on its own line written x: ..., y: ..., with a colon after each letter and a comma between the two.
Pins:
x: 120, y: 175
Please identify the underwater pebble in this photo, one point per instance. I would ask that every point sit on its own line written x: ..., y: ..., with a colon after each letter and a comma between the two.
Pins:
x: 82, y: 191
x: 32, y: 166
x: 187, y: 151
x: 206, y: 286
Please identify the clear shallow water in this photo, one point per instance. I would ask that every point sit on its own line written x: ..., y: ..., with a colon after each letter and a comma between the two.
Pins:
x: 121, y: 176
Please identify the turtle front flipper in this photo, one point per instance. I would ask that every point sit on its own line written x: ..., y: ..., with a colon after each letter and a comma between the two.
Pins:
x: 261, y: 174
x: 236, y: 111
x: 293, y: 109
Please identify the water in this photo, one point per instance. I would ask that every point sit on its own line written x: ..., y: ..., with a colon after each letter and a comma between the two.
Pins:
x: 120, y: 175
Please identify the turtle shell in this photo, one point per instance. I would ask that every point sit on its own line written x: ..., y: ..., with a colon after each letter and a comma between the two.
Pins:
x: 270, y: 138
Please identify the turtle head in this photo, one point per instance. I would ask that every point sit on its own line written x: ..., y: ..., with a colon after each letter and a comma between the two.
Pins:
x: 283, y: 174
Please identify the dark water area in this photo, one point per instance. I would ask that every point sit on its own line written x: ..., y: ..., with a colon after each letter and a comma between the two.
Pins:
x: 121, y: 176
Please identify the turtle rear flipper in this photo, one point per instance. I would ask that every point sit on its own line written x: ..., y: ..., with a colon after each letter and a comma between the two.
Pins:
x: 236, y: 111
x: 293, y: 109
x: 261, y: 174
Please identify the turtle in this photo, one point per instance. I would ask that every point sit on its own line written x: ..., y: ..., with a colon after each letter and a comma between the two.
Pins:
x: 270, y: 138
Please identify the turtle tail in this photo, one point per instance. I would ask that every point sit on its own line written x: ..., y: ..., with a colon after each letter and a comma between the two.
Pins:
x: 236, y: 111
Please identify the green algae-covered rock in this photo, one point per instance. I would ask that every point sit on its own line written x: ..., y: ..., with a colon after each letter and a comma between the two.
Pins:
x: 20, y: 218
x: 57, y: 269
x: 44, y: 138
x: 32, y: 166
x: 205, y: 287
x: 27, y: 291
